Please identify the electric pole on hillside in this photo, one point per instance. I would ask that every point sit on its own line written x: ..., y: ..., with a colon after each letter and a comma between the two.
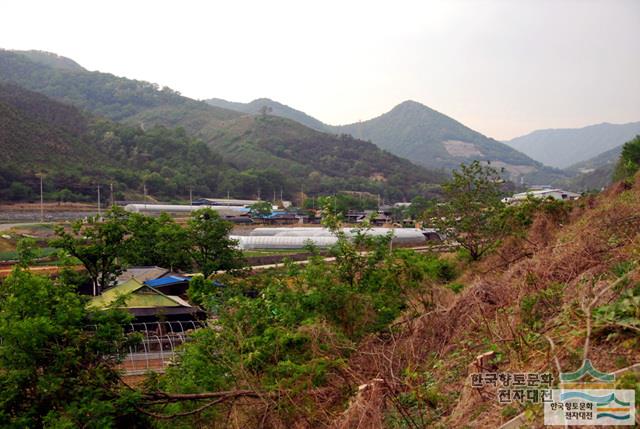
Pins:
x: 41, y: 175
x: 113, y: 203
x: 302, y: 196
x: 99, y: 206
x: 258, y: 194
x: 144, y: 189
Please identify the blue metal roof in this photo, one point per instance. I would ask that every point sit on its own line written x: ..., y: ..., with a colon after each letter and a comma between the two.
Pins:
x: 164, y: 281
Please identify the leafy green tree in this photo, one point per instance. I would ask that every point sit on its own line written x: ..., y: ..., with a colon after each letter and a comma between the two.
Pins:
x: 261, y: 209
x: 19, y: 191
x: 57, y: 359
x: 629, y: 162
x: 470, y: 212
x: 209, y: 244
x: 97, y: 243
x: 157, y: 241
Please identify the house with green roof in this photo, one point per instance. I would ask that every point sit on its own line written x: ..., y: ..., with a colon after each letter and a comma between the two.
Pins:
x: 146, y: 303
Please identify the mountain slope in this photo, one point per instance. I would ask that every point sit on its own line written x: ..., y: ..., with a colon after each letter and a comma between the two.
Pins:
x: 104, y: 94
x: 434, y: 140
x: 608, y: 158
x: 34, y: 132
x: 77, y: 152
x: 274, y: 108
x: 418, y: 133
x: 563, y: 147
x: 304, y: 151
x: 595, y: 173
x: 320, y: 160
x: 52, y: 60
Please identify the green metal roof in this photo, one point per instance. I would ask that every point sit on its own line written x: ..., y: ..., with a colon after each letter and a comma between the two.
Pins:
x: 137, y: 295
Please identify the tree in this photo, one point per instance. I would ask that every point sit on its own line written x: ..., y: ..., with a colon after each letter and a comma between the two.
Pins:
x: 209, y: 244
x: 470, y: 212
x: 97, y: 243
x: 19, y: 191
x: 261, y: 209
x: 58, y: 359
x: 156, y: 241
x: 629, y: 162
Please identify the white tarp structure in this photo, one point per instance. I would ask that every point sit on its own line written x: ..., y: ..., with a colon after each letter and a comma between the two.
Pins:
x: 174, y: 208
x: 282, y: 242
x: 298, y: 237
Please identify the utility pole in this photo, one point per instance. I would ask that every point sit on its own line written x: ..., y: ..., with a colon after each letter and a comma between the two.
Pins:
x: 190, y: 195
x: 227, y: 194
x: 99, y: 207
x: 41, y: 199
x: 280, y: 194
x: 274, y: 195
x: 113, y: 203
x: 144, y: 187
x: 258, y: 194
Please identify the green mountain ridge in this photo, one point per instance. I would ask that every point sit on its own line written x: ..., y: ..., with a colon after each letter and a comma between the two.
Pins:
x: 263, y: 167
x: 420, y: 134
x: 275, y: 108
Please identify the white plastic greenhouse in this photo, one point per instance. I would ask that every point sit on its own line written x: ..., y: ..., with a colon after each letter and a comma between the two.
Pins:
x: 298, y: 237
x: 282, y: 242
x: 173, y: 208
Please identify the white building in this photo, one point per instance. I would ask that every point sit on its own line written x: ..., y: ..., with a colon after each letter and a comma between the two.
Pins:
x: 556, y: 194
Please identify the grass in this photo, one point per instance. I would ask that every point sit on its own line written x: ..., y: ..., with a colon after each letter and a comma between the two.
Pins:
x: 271, y: 252
x: 12, y: 255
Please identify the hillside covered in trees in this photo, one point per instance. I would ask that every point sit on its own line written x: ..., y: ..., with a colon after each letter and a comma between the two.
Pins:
x: 284, y: 155
x: 76, y: 152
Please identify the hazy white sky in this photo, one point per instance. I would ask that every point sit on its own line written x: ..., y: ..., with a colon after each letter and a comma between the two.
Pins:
x: 503, y: 68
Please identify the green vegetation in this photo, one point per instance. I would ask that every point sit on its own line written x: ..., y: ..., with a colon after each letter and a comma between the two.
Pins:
x: 471, y: 211
x: 76, y: 153
x: 209, y: 244
x: 317, y: 163
x: 98, y: 244
x: 105, y: 245
x: 284, y: 333
x: 58, y: 358
x: 263, y: 153
x: 629, y: 162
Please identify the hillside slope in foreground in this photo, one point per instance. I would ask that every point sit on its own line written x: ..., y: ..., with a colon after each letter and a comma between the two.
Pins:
x: 528, y: 306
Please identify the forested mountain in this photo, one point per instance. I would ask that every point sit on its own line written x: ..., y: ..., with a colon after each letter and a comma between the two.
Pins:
x: 434, y: 140
x: 418, y: 133
x: 562, y: 148
x: 104, y: 94
x: 77, y: 152
x: 325, y: 161
x: 301, y: 158
x: 265, y: 105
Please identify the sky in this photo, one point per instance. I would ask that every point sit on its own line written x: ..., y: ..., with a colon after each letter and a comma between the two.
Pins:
x: 501, y: 67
